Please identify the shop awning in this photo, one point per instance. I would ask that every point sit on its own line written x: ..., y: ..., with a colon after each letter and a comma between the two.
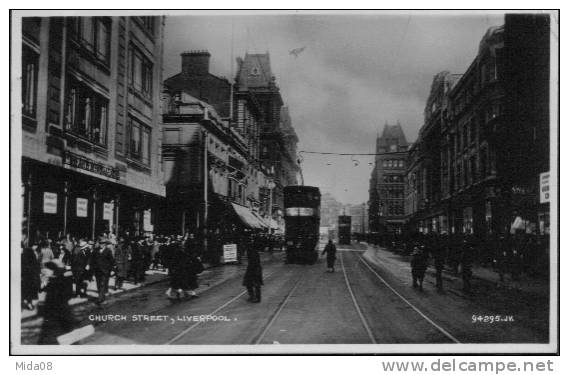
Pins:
x: 261, y: 220
x: 248, y: 218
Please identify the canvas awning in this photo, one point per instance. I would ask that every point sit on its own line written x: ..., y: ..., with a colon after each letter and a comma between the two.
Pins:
x: 247, y: 216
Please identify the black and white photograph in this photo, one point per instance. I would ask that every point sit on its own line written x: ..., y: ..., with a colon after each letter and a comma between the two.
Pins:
x: 284, y: 182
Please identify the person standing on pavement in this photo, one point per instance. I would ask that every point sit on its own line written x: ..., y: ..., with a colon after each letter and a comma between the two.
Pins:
x: 57, y: 317
x: 102, y: 264
x: 253, y: 278
x: 80, y: 268
x: 330, y: 251
x: 30, y: 277
x: 137, y: 261
x: 438, y: 254
x: 122, y: 254
x: 466, y: 261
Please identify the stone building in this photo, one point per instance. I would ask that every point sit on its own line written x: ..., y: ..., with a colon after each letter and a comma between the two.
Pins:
x: 254, y: 74
x: 427, y: 175
x: 490, y: 127
x: 387, y: 199
x: 203, y: 153
x: 211, y: 147
x: 90, y: 124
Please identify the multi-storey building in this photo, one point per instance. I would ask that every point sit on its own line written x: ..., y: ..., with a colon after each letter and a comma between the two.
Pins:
x: 254, y: 74
x: 426, y: 174
x: 207, y: 152
x: 387, y: 198
x: 491, y: 130
x: 90, y: 124
x: 359, y: 214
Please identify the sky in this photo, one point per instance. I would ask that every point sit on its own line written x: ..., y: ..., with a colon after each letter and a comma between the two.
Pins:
x: 357, y: 72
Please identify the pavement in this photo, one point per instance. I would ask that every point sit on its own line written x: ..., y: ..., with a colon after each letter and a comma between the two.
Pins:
x: 365, y: 301
x: 481, y: 276
x: 152, y: 277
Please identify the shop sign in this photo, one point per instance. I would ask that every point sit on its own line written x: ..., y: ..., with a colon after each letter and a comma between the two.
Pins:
x: 108, y: 211
x: 49, y: 203
x: 147, y: 224
x: 544, y: 187
x: 81, y: 162
x: 82, y: 207
x: 230, y: 253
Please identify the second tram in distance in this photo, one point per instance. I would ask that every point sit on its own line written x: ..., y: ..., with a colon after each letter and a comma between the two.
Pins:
x: 302, y: 223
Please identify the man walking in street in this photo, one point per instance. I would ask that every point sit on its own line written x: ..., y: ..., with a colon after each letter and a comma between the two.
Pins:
x: 80, y: 268
x: 330, y: 251
x: 102, y: 263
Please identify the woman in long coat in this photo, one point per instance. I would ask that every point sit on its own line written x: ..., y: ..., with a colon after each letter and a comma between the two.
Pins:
x: 30, y: 277
x: 253, y: 278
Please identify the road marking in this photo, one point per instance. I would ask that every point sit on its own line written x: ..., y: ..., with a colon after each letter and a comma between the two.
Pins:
x: 275, y: 316
x: 181, y: 334
x: 363, y: 319
x: 443, y: 331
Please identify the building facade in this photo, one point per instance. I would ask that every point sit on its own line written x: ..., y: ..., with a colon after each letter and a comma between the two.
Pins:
x: 487, y: 133
x: 90, y: 125
x: 212, y: 172
x: 387, y: 183
x: 255, y: 76
x: 427, y: 174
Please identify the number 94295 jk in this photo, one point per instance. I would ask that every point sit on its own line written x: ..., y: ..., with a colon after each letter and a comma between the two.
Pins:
x: 492, y: 319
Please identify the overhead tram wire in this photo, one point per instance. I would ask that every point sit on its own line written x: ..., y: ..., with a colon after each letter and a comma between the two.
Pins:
x: 342, y: 153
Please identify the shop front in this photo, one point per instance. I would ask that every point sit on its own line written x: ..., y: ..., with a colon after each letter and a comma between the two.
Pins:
x: 60, y: 200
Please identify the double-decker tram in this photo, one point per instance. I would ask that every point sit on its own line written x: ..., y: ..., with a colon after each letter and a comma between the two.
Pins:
x: 344, y: 230
x: 302, y: 223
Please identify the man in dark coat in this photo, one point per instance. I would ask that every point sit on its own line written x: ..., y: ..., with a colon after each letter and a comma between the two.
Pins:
x: 137, y: 261
x: 330, y: 251
x: 418, y: 266
x: 80, y: 268
x: 253, y: 278
x: 122, y: 255
x: 30, y: 277
x: 102, y: 264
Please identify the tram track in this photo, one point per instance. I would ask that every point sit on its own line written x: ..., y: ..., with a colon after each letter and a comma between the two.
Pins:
x: 408, y: 303
x: 355, y: 302
x: 182, y: 334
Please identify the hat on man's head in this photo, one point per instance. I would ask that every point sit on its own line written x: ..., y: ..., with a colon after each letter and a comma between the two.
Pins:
x: 104, y: 240
x: 83, y: 243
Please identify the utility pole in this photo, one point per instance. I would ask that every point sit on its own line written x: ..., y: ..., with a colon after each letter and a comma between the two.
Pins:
x: 205, y: 189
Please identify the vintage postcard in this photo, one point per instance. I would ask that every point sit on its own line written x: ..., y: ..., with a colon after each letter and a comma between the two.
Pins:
x: 192, y: 182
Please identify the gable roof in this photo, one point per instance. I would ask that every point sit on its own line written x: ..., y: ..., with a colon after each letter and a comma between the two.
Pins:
x: 254, y: 71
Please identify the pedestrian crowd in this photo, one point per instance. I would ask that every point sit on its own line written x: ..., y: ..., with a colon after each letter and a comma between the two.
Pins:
x: 512, y: 254
x: 126, y: 258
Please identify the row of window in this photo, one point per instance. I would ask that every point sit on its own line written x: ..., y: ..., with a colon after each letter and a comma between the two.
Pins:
x: 391, y: 193
x: 86, y: 115
x: 93, y: 34
x: 392, y: 179
x: 395, y: 208
x: 86, y: 110
x: 392, y: 164
x: 491, y: 69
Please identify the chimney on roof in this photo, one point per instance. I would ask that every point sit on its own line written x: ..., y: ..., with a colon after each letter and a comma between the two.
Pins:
x: 195, y: 63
